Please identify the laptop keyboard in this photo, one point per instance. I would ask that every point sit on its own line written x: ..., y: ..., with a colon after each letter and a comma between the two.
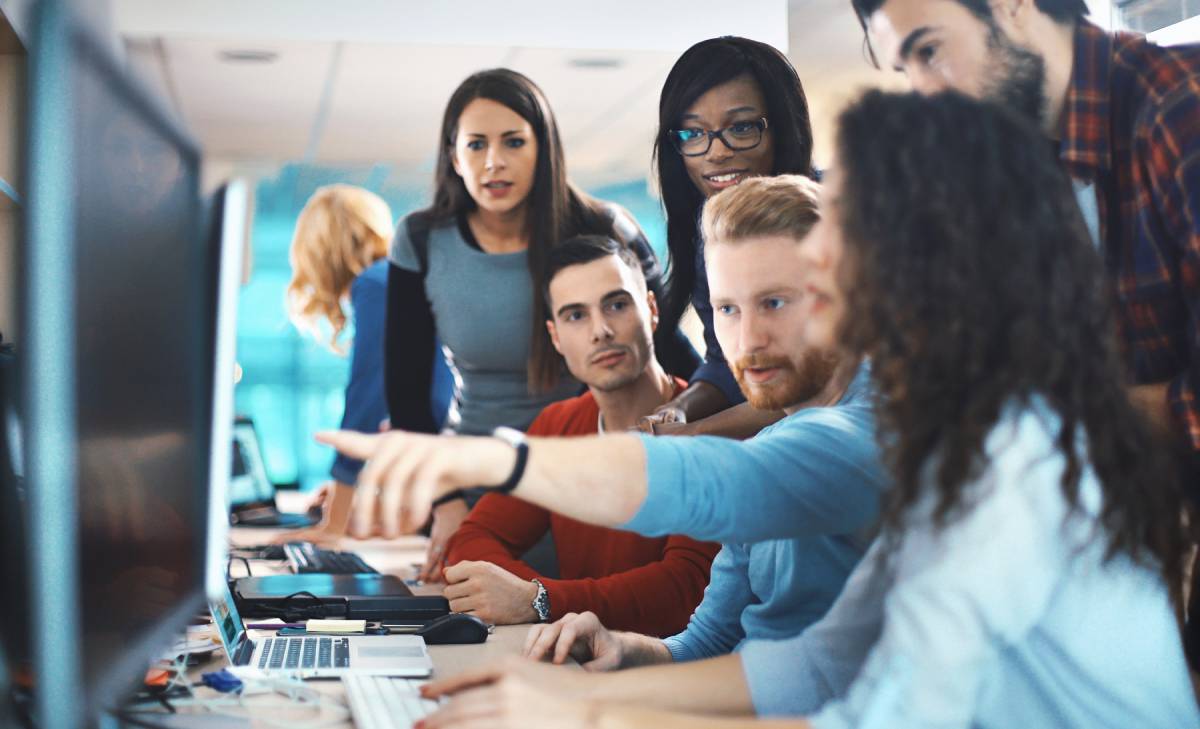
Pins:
x: 383, y: 702
x: 308, y: 558
x: 298, y: 652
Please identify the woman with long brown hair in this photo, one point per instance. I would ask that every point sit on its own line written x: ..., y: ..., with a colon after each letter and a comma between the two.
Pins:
x: 466, y: 270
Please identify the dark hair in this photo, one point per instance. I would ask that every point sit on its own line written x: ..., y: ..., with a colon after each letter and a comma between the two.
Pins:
x: 976, y: 287
x: 1061, y: 10
x: 584, y: 249
x: 705, y: 65
x: 557, y: 209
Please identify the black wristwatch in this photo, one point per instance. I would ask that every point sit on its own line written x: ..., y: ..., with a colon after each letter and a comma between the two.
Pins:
x: 516, y: 439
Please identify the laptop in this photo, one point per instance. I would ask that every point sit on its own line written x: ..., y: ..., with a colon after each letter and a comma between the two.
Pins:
x: 351, y: 596
x: 316, y: 656
x: 251, y: 493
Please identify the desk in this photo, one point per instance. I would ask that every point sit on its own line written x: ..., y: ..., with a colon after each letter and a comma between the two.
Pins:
x: 398, y: 557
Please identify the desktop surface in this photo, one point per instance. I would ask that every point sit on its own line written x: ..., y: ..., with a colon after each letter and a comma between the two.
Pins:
x: 396, y: 557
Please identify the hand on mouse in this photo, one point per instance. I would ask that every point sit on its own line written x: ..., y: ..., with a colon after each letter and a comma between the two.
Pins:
x: 489, y: 592
x: 578, y: 635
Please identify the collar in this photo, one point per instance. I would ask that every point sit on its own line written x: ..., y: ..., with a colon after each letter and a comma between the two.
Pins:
x: 677, y: 386
x: 1085, y: 147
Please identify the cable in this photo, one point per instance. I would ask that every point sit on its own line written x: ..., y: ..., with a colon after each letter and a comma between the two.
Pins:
x: 295, y: 693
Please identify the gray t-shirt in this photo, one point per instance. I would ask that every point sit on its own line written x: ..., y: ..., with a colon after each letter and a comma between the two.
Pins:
x: 482, y: 304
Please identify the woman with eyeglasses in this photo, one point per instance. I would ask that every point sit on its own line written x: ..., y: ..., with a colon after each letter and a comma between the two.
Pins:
x: 731, y: 108
x: 466, y: 271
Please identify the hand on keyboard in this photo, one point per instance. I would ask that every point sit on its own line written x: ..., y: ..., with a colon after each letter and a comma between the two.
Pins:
x: 512, y: 694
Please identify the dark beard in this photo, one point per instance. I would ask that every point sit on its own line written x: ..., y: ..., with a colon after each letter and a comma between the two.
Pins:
x: 1019, y: 82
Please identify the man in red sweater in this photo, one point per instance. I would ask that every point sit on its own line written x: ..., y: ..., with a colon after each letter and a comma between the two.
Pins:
x: 603, y: 321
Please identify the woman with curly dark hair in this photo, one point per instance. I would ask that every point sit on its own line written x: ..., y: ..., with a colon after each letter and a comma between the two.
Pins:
x: 1032, y: 544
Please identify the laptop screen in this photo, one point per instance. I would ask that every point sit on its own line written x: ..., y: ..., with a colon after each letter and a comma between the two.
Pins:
x: 248, y: 483
x: 228, y: 623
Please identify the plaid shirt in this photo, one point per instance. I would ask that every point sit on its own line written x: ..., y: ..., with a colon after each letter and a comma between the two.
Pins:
x: 1132, y: 126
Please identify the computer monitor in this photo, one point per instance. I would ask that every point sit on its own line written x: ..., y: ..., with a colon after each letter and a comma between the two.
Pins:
x: 231, y: 218
x: 117, y: 374
x: 14, y: 615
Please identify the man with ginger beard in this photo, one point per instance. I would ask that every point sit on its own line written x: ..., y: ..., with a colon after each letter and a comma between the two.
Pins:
x: 775, y: 589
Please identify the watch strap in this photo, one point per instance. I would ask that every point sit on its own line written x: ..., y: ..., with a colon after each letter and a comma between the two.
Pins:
x: 516, y: 439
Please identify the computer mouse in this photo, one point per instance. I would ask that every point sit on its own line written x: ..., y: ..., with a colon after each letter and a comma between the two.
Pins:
x: 454, y: 628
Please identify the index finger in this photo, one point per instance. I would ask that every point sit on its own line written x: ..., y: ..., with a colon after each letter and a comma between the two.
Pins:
x: 351, y: 443
x: 531, y: 640
x: 463, y: 681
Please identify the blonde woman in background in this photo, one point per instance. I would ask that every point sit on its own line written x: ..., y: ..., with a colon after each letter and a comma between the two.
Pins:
x: 339, y: 252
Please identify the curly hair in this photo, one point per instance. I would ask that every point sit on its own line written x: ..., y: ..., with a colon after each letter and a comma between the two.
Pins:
x: 976, y: 285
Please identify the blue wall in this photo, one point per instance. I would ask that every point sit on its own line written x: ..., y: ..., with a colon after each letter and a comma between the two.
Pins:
x: 293, y: 386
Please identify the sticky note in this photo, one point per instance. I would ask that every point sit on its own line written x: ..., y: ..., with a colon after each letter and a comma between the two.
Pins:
x: 336, y: 626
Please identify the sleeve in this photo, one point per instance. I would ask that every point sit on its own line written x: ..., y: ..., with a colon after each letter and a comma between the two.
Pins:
x: 715, y: 629
x: 960, y: 595
x: 1173, y: 155
x: 366, y: 405
x: 811, y: 476
x: 799, y: 675
x: 675, y: 352
x: 409, y: 351
x: 714, y: 370
x: 654, y: 599
x: 501, y: 528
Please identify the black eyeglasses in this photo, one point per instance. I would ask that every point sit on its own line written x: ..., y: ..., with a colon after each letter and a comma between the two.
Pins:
x: 737, y: 137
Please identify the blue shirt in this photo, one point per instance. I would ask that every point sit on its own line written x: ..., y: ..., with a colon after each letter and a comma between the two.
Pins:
x: 723, y: 490
x: 366, y: 401
x: 1007, y: 616
x: 775, y: 589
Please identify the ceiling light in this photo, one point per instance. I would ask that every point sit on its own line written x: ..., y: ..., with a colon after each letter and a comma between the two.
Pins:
x: 248, y: 55
x: 596, y: 62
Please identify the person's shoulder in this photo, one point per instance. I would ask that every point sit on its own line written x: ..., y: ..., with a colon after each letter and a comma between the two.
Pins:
x: 414, y: 232
x: 1156, y: 77
x: 375, y: 274
x: 371, y: 282
x: 573, y: 416
x: 855, y: 419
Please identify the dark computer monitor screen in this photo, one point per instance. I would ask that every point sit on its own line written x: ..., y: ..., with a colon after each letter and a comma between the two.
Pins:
x: 143, y: 296
x: 14, y: 610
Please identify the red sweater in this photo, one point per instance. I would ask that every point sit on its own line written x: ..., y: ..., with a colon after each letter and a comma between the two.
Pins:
x: 631, y: 582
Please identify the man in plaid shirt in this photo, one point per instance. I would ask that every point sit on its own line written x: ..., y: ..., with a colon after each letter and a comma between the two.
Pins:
x: 1124, y: 115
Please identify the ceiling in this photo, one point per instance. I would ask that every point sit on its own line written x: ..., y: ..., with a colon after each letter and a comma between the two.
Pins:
x: 366, y: 84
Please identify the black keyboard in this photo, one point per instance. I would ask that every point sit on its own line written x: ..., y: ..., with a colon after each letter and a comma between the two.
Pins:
x: 308, y: 558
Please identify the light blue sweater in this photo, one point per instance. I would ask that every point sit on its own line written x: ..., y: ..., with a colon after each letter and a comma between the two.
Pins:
x: 775, y: 589
x: 1007, y: 616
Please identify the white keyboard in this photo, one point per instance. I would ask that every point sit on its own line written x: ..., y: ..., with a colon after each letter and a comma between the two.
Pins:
x: 385, y: 702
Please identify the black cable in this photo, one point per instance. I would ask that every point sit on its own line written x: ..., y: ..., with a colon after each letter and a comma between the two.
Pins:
x: 229, y: 567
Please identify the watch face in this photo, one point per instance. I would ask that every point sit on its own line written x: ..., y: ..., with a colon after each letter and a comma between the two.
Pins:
x: 541, y: 603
